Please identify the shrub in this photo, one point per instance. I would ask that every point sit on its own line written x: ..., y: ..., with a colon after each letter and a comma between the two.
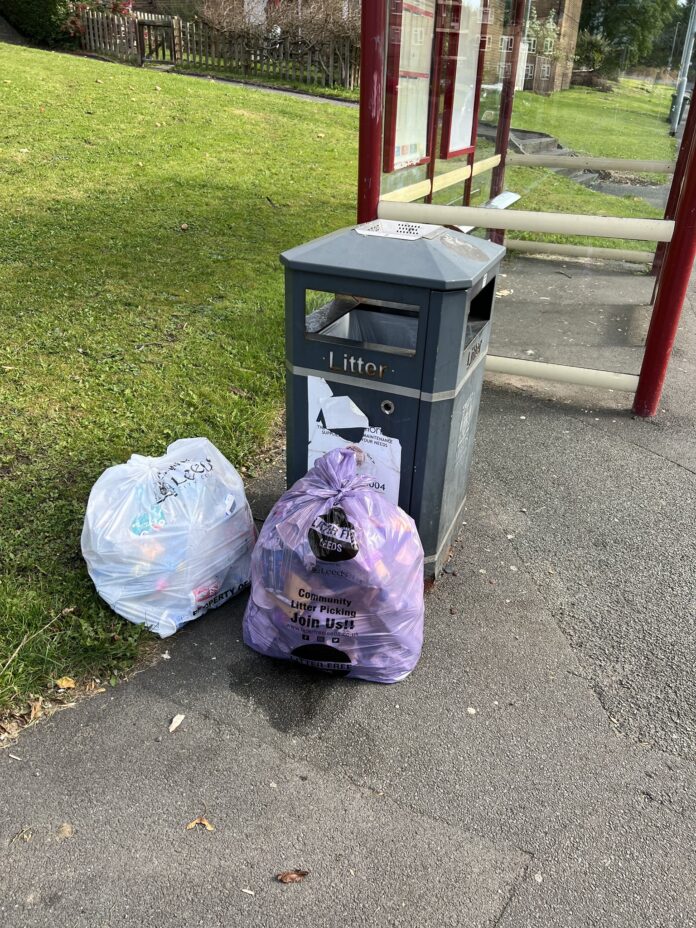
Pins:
x: 39, y: 20
x: 54, y: 22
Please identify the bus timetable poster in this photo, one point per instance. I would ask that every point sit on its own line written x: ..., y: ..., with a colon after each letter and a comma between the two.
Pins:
x: 409, y: 63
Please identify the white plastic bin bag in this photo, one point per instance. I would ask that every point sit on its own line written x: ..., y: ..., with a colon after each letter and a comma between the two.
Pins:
x: 165, y: 539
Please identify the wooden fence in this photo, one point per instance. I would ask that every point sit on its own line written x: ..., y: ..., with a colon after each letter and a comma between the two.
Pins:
x: 148, y: 38
x: 332, y: 63
x: 144, y: 17
x: 110, y: 35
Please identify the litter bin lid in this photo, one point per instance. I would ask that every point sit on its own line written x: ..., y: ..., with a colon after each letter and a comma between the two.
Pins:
x: 437, y: 259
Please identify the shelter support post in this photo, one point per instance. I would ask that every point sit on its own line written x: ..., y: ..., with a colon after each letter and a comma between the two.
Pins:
x: 672, y: 286
x: 373, y: 50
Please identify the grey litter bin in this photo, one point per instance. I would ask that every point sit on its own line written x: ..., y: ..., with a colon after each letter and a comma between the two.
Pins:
x: 387, y: 329
x: 685, y: 102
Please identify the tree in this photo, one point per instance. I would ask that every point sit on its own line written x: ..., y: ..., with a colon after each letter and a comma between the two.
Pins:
x: 306, y: 20
x: 591, y: 51
x: 631, y: 27
x: 668, y: 46
x: 543, y: 30
x: 225, y: 15
x: 40, y: 20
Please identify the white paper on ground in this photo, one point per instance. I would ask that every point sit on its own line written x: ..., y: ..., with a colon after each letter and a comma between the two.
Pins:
x: 382, y: 453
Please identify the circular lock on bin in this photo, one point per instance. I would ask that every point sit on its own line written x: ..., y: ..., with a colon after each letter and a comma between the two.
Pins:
x: 387, y: 407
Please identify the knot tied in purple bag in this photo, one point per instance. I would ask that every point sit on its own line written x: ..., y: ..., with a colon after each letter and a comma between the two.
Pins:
x: 337, y: 577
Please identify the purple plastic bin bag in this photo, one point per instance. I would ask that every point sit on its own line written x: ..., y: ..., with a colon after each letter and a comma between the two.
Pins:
x: 337, y: 577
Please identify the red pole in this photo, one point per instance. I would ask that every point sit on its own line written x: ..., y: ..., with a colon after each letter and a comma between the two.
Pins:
x: 441, y: 26
x: 507, y: 99
x: 677, y: 180
x: 466, y: 200
x: 672, y: 286
x: 372, y: 50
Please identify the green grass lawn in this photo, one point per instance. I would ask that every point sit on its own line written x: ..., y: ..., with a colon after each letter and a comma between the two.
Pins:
x: 627, y: 123
x: 546, y: 191
x: 267, y: 80
x: 121, y: 331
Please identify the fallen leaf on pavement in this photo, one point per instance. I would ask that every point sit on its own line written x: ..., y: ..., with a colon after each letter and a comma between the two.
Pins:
x: 292, y: 876
x: 66, y: 830
x: 65, y: 683
x: 9, y: 729
x: 176, y: 721
x: 200, y: 821
x: 35, y: 709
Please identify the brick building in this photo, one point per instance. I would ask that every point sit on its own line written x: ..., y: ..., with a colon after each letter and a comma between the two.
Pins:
x: 495, y: 65
x: 546, y: 61
x: 549, y: 64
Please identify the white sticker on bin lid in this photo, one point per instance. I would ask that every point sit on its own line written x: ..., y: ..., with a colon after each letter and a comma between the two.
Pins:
x: 392, y: 228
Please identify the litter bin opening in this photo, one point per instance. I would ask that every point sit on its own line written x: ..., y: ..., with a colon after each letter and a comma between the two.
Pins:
x: 482, y: 303
x: 376, y: 324
x: 394, y: 332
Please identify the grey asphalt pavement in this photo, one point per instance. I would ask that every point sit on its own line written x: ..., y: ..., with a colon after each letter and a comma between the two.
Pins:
x: 565, y: 620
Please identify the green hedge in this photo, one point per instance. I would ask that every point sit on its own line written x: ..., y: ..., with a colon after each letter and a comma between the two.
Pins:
x: 38, y: 20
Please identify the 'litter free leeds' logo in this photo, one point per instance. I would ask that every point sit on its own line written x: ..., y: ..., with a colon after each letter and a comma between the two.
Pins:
x: 332, y: 536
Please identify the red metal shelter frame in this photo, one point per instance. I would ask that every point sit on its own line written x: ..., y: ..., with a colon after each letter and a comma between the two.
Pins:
x: 675, y: 264
x: 435, y: 91
x: 451, y: 74
x: 507, y: 99
x: 672, y: 284
x: 677, y: 182
x: 393, y: 76
x: 373, y: 39
x: 477, y: 100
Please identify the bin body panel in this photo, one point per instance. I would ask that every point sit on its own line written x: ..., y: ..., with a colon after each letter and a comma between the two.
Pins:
x: 446, y: 434
x: 399, y: 424
x: 386, y: 343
